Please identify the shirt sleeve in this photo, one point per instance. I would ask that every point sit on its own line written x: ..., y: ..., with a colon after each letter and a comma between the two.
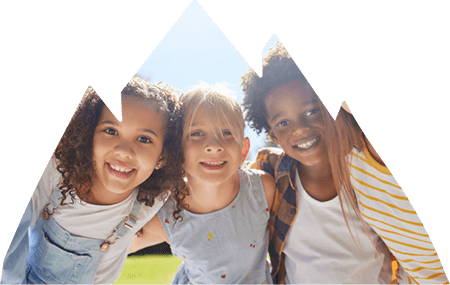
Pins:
x: 385, y: 207
x: 266, y: 159
x: 13, y: 271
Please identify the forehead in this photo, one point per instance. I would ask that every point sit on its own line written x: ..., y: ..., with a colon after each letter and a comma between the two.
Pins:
x: 295, y: 91
x: 294, y: 94
x: 132, y: 105
x: 137, y: 113
x: 205, y: 115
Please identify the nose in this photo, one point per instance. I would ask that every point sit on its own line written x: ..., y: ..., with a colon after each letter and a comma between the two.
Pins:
x: 213, y: 145
x: 300, y: 129
x: 124, y: 149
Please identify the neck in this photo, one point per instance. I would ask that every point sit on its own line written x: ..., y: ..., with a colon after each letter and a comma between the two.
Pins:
x: 317, y: 180
x: 99, y: 195
x: 319, y: 171
x: 208, y: 197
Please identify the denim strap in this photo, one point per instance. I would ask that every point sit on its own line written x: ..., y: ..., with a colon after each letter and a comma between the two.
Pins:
x: 119, y: 231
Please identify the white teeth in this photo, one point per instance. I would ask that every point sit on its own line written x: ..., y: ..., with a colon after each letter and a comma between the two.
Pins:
x: 120, y: 169
x: 307, y: 144
x: 213, y: 163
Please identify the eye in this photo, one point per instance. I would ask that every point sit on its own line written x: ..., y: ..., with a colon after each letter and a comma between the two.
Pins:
x: 110, y: 131
x: 144, y: 140
x: 226, y: 133
x: 311, y: 112
x: 282, y: 124
x: 195, y: 134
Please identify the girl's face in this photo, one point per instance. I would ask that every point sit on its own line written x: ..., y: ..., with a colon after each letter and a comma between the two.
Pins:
x: 296, y: 121
x: 126, y: 153
x: 209, y: 159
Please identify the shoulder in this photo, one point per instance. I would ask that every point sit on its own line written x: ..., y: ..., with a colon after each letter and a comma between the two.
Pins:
x: 267, y: 159
x: 266, y: 183
x: 363, y: 159
x: 48, y: 182
x: 372, y: 152
x: 256, y: 174
x: 269, y: 188
x: 51, y: 176
x: 166, y: 211
x: 272, y: 152
x: 147, y: 212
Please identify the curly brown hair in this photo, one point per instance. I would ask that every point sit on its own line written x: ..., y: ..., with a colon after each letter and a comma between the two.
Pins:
x: 278, y: 68
x: 75, y: 149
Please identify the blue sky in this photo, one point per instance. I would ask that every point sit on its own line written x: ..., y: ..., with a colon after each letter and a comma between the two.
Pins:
x: 196, y: 50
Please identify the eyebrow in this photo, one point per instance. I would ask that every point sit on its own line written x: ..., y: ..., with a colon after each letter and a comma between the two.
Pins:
x: 194, y: 124
x: 140, y: 130
x: 281, y: 113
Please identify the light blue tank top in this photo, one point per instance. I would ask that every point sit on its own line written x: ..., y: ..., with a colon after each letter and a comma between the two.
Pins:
x: 226, y: 246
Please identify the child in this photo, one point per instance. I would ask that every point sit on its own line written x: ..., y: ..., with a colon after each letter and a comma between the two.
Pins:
x: 318, y: 196
x: 105, y: 181
x: 218, y: 224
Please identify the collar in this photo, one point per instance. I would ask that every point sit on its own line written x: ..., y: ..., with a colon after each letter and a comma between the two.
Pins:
x: 286, y: 165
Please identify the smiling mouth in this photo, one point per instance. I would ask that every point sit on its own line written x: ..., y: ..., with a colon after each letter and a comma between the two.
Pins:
x: 214, y: 162
x: 213, y: 165
x: 121, y: 169
x: 308, y: 144
x: 120, y: 172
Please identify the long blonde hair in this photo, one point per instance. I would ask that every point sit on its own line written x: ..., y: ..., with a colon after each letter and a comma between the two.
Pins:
x: 219, y: 105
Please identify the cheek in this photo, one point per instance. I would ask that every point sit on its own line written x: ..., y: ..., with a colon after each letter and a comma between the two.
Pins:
x: 191, y: 148
x: 100, y: 144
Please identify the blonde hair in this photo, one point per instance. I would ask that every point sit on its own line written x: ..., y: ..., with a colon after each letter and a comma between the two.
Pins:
x: 220, y: 106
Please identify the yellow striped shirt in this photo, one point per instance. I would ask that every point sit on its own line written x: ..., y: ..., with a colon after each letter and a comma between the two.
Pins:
x: 387, y: 210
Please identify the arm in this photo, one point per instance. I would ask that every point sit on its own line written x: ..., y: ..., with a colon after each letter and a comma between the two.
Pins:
x: 269, y: 188
x: 151, y: 234
x: 15, y: 260
x: 385, y: 207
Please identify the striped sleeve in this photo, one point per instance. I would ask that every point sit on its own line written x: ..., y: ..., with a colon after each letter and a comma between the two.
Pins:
x: 387, y: 210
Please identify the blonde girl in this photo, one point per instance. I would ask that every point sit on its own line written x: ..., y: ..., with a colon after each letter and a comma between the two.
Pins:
x: 218, y: 224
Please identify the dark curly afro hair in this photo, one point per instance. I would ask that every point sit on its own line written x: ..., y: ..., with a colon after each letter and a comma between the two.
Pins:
x: 278, y: 68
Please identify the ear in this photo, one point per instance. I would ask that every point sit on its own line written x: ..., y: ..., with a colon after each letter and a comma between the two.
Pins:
x: 272, y: 136
x: 160, y: 163
x: 246, y: 148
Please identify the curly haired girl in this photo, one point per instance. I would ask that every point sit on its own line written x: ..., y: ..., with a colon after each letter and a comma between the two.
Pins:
x: 328, y: 178
x: 107, y: 178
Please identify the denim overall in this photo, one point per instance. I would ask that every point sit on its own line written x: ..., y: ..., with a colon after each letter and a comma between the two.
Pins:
x: 58, y: 257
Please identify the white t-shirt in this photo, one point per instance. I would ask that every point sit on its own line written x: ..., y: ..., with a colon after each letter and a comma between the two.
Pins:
x: 93, y: 221
x: 320, y: 249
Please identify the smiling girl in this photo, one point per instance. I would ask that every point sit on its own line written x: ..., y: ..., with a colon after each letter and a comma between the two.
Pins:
x: 218, y: 224
x: 106, y: 179
x: 338, y: 216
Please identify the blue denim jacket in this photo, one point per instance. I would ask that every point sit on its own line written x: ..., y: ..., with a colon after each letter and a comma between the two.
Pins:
x: 14, y: 264
x: 50, y: 254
